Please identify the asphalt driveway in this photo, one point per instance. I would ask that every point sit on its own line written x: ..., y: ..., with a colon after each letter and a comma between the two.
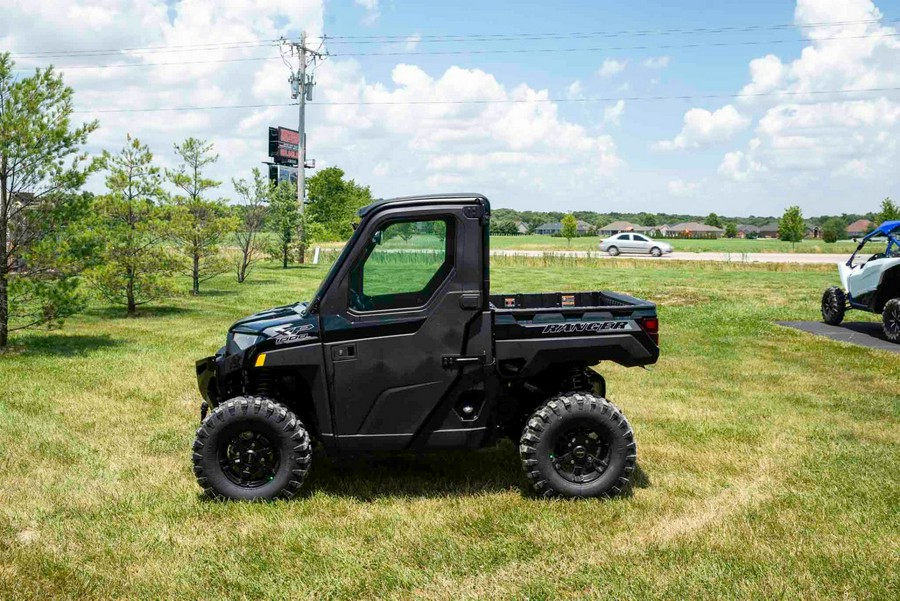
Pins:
x: 863, y: 333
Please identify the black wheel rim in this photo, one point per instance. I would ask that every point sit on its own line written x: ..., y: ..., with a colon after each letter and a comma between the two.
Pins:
x: 892, y: 322
x: 249, y: 459
x: 830, y: 306
x: 581, y: 454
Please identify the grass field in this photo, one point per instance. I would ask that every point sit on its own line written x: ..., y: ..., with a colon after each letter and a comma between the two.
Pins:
x: 590, y: 243
x: 769, y: 465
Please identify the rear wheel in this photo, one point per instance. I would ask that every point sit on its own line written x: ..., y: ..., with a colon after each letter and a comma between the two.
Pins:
x: 834, y: 305
x: 655, y: 252
x: 578, y: 445
x: 251, y: 448
x: 613, y: 251
x: 891, y: 318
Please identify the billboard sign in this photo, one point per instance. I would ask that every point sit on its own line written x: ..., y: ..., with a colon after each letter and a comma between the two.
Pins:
x: 284, y: 145
x: 282, y: 173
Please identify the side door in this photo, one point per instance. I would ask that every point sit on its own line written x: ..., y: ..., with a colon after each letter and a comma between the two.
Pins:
x: 641, y: 243
x: 407, y: 305
x: 625, y: 243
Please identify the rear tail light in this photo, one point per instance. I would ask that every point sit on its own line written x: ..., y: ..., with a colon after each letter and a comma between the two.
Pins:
x: 651, y: 326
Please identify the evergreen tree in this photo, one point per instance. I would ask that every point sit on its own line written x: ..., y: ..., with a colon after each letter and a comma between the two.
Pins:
x: 134, y: 267
x: 199, y: 225
x: 41, y: 167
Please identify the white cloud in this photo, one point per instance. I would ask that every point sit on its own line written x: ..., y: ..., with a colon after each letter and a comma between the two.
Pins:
x: 805, y: 137
x: 703, y: 128
x: 413, y: 41
x: 525, y: 149
x: 373, y: 11
x: 738, y: 166
x: 656, y: 62
x: 680, y: 187
x: 611, y: 67
x: 575, y: 90
x: 613, y: 113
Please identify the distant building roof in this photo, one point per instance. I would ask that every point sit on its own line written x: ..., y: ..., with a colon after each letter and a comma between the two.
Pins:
x: 860, y: 225
x: 693, y: 226
x: 624, y: 226
x: 772, y: 226
x: 747, y: 227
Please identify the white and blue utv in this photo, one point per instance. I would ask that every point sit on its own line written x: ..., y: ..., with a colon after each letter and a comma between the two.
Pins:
x: 872, y: 284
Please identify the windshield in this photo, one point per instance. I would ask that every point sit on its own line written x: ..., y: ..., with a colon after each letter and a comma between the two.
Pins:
x: 335, y: 267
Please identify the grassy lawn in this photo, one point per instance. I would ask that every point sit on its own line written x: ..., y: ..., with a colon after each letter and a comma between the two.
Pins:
x: 734, y: 245
x: 591, y: 243
x: 769, y: 464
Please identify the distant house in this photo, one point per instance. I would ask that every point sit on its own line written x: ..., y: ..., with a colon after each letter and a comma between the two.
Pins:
x: 521, y: 227
x: 746, y: 230
x: 617, y: 227
x: 692, y: 229
x: 859, y: 228
x: 555, y: 228
x: 813, y: 231
x: 769, y: 230
x: 661, y: 230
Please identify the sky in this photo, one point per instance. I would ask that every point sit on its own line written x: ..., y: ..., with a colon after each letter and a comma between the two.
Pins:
x: 689, y: 106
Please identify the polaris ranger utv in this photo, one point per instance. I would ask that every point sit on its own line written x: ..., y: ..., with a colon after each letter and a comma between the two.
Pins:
x: 403, y: 347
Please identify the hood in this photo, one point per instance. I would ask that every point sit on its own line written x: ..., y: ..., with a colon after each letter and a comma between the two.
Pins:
x: 272, y: 320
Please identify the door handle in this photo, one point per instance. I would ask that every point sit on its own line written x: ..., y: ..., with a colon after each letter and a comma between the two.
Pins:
x: 343, y: 352
x: 470, y: 302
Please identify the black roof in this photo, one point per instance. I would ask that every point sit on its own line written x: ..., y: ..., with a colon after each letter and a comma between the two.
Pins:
x: 426, y: 199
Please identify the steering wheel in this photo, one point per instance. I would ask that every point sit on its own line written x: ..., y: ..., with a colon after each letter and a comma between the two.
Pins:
x: 875, y: 257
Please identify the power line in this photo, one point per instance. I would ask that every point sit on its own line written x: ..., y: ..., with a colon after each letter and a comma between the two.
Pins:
x: 609, y: 33
x: 503, y: 101
x: 494, y: 51
x: 151, y: 49
x: 125, y: 65
x: 608, y: 48
x: 258, y: 42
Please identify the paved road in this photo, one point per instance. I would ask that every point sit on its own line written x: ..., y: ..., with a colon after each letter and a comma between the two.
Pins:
x: 811, y: 258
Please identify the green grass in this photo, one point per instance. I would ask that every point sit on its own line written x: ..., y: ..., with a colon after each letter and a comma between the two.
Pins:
x: 769, y: 464
x: 734, y: 245
x: 590, y: 243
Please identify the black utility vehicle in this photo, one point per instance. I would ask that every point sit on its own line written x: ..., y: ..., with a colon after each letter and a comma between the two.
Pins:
x: 403, y: 347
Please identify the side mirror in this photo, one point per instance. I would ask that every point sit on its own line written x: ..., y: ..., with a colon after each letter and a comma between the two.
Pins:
x: 378, y: 238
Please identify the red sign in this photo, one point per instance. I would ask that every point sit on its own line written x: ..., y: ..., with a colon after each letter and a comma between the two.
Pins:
x: 284, y: 145
x: 288, y: 136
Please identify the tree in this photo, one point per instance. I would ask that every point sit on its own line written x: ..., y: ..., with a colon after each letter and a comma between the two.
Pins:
x: 199, y: 225
x: 569, y: 228
x: 730, y: 230
x: 713, y: 220
x: 791, y: 227
x: 284, y: 219
x: 252, y: 215
x: 41, y: 166
x: 833, y: 230
x: 889, y: 212
x: 334, y: 201
x: 648, y: 220
x: 134, y: 268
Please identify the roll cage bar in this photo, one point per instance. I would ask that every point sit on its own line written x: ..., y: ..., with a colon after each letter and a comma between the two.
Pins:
x: 886, y: 229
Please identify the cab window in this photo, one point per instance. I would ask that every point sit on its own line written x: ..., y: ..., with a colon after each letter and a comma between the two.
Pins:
x: 404, y: 264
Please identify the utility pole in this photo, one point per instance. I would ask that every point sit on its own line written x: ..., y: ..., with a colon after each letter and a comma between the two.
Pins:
x: 301, y: 90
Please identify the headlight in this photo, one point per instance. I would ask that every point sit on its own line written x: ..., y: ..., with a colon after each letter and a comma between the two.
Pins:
x: 239, y: 342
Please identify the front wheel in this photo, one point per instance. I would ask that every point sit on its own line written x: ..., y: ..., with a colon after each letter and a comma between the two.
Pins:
x: 891, y: 317
x: 578, y: 445
x: 655, y: 252
x: 613, y: 251
x: 251, y: 448
x: 834, y: 305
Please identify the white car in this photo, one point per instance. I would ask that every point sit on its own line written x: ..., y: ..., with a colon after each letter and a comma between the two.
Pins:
x: 871, y: 285
x: 634, y: 243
